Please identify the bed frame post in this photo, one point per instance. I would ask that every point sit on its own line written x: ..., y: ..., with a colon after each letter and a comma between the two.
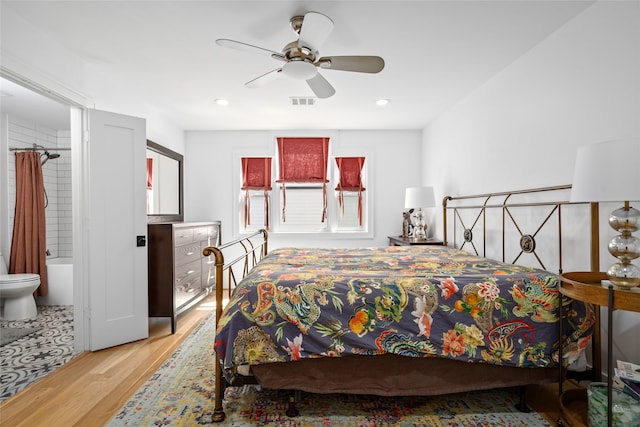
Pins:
x: 249, y: 251
x: 522, y: 402
x: 595, y: 267
x: 265, y: 237
x: 218, y: 411
x: 445, y: 200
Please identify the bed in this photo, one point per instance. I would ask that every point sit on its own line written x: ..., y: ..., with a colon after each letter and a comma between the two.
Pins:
x: 397, y: 320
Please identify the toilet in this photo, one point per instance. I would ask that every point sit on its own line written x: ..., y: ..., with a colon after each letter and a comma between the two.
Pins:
x: 16, y: 294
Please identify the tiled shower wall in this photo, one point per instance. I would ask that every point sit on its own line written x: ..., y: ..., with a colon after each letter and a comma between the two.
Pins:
x: 57, y: 182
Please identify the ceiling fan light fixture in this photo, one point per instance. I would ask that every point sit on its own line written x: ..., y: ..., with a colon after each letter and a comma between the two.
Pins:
x: 300, y: 70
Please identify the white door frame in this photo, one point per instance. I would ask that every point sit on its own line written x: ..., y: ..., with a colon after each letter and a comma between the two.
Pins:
x: 79, y: 188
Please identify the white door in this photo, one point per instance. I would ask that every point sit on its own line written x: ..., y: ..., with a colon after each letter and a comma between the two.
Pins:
x: 117, y: 221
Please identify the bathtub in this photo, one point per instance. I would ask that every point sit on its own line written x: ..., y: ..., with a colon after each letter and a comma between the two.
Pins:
x: 60, y: 281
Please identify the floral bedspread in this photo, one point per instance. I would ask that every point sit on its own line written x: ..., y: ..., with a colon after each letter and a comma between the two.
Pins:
x: 418, y: 301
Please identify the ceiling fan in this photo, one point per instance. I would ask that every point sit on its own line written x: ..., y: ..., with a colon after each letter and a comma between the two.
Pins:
x: 301, y: 58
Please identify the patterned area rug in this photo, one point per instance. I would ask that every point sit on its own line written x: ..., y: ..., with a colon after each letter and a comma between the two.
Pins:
x: 180, y: 393
x: 32, y: 356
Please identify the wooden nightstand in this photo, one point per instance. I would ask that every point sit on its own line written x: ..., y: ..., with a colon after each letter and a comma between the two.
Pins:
x: 587, y: 287
x: 410, y: 241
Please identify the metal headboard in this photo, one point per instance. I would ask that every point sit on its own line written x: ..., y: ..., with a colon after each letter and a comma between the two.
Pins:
x: 466, y: 232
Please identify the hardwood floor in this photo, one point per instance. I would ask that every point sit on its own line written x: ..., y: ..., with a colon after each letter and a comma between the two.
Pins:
x: 89, y: 390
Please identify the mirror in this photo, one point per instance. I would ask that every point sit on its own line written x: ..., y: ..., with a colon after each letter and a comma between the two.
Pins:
x: 164, y: 184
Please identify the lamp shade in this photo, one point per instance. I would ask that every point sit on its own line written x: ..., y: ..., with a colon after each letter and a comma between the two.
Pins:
x: 419, y: 197
x: 607, y: 171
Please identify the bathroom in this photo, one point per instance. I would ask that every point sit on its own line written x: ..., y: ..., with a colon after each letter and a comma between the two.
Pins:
x: 27, y: 119
x: 27, y: 128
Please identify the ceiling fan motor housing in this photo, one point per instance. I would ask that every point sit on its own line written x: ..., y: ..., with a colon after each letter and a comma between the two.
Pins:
x: 293, y: 51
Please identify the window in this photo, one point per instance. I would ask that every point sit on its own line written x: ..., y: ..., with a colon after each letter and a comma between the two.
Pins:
x: 303, y: 161
x: 350, y: 182
x: 314, y: 192
x: 256, y: 184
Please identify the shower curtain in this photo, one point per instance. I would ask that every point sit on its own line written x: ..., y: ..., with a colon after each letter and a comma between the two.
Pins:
x: 29, y: 245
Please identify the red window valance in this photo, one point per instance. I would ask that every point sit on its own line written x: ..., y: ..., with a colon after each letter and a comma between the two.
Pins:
x: 256, y: 175
x: 350, y: 169
x: 149, y: 185
x: 149, y: 173
x: 303, y: 160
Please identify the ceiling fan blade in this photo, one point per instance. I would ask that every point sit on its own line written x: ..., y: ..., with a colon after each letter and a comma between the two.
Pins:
x: 264, y: 79
x: 321, y: 87
x: 245, y: 47
x: 359, y: 64
x: 315, y: 29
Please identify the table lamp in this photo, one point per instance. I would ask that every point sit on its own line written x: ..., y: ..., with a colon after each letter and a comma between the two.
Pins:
x: 419, y: 197
x: 609, y: 171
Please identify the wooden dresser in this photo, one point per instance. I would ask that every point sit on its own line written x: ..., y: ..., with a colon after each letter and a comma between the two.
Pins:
x: 179, y: 275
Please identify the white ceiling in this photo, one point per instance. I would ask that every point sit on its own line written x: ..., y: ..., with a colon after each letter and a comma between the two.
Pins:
x: 163, y: 55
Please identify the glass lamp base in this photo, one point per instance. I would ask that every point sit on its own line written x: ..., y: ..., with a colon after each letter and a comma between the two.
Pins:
x: 624, y: 276
x: 625, y: 247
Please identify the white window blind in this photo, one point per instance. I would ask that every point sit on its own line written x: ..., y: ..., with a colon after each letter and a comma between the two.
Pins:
x: 347, y: 219
x: 303, y: 209
x: 256, y: 210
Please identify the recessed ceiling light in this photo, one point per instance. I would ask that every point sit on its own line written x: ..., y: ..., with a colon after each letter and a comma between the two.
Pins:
x: 222, y: 102
x: 382, y: 102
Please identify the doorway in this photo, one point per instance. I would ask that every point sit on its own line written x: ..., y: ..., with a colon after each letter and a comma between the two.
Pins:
x: 32, y: 121
x: 108, y: 219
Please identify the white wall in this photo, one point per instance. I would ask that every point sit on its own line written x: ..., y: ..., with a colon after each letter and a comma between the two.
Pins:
x: 580, y: 85
x: 523, y: 127
x: 29, y: 53
x: 209, y: 194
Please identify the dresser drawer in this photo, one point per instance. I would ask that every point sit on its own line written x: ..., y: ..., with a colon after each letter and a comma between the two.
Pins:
x: 188, y: 282
x: 208, y: 235
x: 200, y: 233
x: 182, y: 236
x: 187, y: 253
x: 213, y: 232
x: 209, y: 271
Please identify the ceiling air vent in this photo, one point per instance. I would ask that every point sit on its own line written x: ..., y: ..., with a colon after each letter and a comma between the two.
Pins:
x: 303, y: 100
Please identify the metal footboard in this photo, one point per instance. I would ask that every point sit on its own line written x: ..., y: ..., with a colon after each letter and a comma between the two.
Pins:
x: 241, y: 256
